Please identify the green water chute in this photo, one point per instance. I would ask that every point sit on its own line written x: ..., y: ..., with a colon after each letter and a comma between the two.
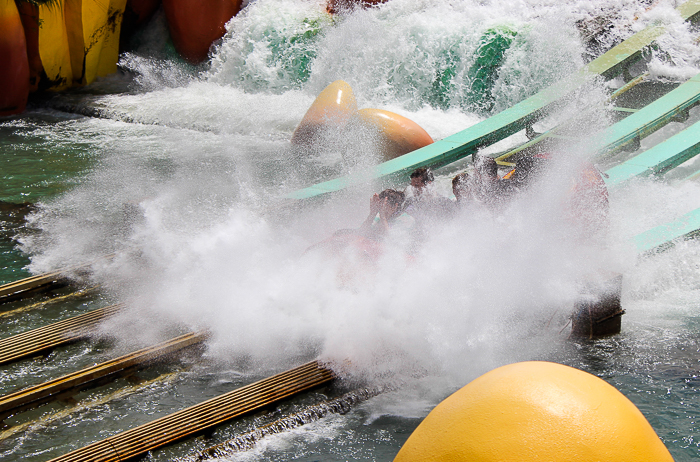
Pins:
x: 480, y: 77
x: 443, y: 86
x: 483, y: 73
x: 295, y: 53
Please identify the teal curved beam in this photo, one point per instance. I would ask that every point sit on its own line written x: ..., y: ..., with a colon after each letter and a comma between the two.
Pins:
x: 659, y: 159
x: 644, y: 121
x: 505, y: 123
x: 666, y: 235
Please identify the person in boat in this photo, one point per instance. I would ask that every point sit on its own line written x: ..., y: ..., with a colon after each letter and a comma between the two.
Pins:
x: 588, y: 204
x: 421, y: 179
x: 461, y: 189
x: 485, y: 182
x: 422, y: 202
x: 385, y: 213
x: 385, y: 209
x: 527, y: 169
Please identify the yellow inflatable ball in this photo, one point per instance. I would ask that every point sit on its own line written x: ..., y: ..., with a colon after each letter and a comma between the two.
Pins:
x: 333, y: 107
x: 535, y: 411
x: 398, y: 134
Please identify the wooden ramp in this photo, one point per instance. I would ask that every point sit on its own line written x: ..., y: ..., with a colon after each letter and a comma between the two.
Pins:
x: 659, y: 159
x: 41, y: 282
x: 40, y: 394
x: 310, y: 414
x: 505, y: 123
x: 51, y: 301
x: 49, y: 337
x: 205, y: 415
x: 27, y: 286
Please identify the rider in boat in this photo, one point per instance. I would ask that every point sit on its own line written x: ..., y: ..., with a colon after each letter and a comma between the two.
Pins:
x: 461, y: 189
x: 365, y: 243
x: 586, y: 203
x: 385, y: 209
x: 422, y: 202
x: 487, y: 188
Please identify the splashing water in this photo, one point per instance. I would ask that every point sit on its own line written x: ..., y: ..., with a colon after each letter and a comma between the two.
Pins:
x: 190, y: 163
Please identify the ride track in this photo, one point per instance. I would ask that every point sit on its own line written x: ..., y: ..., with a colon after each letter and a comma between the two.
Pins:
x: 656, y: 161
x: 518, y: 117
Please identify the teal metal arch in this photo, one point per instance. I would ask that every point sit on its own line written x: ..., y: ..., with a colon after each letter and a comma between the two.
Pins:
x: 505, y: 123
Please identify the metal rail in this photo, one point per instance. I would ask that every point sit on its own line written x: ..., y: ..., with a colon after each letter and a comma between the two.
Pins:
x: 200, y: 417
x: 39, y: 394
x: 567, y: 125
x: 49, y: 337
x: 631, y: 129
x: 645, y: 121
x: 659, y: 159
x: 639, y: 124
x: 664, y: 236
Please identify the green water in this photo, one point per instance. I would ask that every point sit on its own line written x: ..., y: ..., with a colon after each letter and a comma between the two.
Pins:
x: 37, y: 162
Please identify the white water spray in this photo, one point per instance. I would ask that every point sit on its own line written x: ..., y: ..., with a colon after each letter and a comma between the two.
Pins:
x: 183, y: 195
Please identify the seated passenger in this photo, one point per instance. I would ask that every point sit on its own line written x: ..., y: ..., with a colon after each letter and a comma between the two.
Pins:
x: 422, y: 202
x: 385, y: 209
x: 461, y: 188
x: 527, y: 169
x: 420, y: 179
x: 588, y: 203
x: 485, y: 180
x: 486, y: 186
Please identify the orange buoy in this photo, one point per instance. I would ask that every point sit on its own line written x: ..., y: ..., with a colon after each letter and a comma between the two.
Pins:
x: 194, y: 25
x: 14, y: 65
x: 333, y: 107
x: 535, y: 411
x: 400, y: 135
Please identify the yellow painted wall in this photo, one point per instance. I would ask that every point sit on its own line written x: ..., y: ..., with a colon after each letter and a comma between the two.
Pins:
x: 53, y: 45
x: 79, y: 40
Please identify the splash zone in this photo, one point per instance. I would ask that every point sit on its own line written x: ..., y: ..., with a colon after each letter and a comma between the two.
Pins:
x: 211, y: 324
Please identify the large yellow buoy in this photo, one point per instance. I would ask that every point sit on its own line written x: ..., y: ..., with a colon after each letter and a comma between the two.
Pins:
x: 399, y: 134
x: 535, y: 411
x: 333, y: 107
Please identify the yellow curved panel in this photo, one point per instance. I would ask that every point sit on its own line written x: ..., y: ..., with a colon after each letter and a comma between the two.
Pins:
x: 95, y: 15
x: 74, y: 29
x: 110, y: 47
x: 53, y: 45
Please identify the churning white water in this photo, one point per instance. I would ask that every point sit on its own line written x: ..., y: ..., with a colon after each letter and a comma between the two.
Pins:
x: 191, y: 164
